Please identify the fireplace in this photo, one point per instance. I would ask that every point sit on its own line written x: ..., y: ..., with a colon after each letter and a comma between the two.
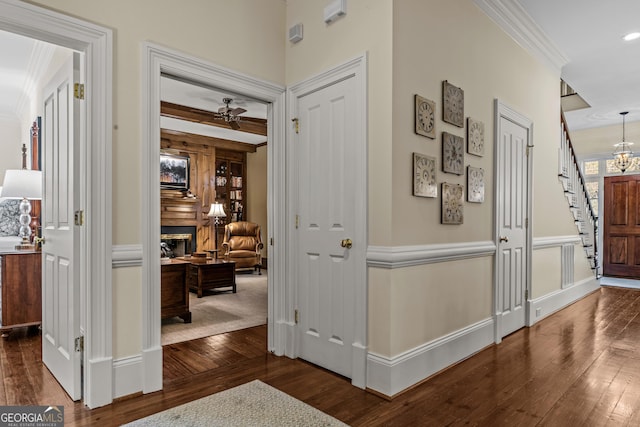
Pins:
x: 177, y: 240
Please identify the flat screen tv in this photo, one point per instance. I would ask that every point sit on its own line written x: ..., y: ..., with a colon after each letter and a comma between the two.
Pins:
x: 174, y: 172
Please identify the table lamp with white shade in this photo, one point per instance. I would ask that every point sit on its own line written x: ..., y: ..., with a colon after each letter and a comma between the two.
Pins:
x: 216, y: 212
x: 23, y: 184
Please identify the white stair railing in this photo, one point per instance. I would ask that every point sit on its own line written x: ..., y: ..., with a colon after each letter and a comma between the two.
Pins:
x: 577, y: 196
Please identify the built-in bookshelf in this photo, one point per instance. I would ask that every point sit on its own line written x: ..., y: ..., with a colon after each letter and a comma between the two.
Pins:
x: 231, y: 184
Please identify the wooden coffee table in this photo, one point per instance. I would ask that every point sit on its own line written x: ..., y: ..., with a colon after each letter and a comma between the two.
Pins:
x: 212, y: 274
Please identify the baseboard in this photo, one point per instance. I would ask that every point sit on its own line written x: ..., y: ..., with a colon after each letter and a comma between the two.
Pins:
x: 546, y: 305
x: 620, y: 282
x: 390, y: 376
x: 100, y: 373
x: 127, y: 374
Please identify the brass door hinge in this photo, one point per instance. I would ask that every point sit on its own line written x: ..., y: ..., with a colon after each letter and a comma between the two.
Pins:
x: 78, y: 218
x: 526, y: 294
x: 78, y: 91
x: 79, y: 343
x: 296, y: 124
x: 296, y: 316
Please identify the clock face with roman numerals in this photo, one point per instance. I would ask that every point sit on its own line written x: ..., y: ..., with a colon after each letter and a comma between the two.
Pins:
x: 424, y: 180
x: 452, y: 104
x: 475, y: 137
x: 452, y: 203
x: 425, y: 117
x: 452, y: 153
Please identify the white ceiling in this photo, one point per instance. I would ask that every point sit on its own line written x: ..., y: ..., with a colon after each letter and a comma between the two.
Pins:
x: 209, y: 99
x: 602, y: 67
x: 16, y: 53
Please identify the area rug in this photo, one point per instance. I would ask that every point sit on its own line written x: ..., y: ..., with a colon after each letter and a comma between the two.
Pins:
x: 250, y: 404
x: 219, y: 312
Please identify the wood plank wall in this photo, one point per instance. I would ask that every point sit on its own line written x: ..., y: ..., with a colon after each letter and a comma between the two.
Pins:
x: 178, y: 210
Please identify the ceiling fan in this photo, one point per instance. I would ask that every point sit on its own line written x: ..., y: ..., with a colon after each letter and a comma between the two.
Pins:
x: 229, y: 115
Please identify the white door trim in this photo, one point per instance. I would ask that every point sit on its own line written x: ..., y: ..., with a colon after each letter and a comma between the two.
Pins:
x: 357, y: 69
x: 156, y: 60
x: 502, y: 110
x: 94, y: 176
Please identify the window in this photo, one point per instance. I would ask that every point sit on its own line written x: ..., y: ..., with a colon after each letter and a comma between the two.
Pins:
x: 591, y: 167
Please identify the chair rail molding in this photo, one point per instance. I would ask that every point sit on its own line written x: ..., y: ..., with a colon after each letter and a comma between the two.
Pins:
x: 407, y: 256
x: 126, y: 256
x: 553, y: 241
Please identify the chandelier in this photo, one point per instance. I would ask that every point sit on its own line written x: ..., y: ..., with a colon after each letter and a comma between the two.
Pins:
x: 623, y: 156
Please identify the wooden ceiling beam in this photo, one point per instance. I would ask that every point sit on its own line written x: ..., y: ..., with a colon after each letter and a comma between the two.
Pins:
x: 174, y: 139
x: 247, y: 124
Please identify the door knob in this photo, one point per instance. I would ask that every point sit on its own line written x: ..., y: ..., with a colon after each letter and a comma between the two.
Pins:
x: 504, y: 239
x: 39, y: 241
x: 346, y: 243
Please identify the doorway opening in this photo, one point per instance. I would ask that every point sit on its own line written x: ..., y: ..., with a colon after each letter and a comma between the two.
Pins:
x: 159, y: 61
x: 222, y: 137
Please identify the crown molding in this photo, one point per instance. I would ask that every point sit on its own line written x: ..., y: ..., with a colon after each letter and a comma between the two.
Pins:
x: 515, y: 21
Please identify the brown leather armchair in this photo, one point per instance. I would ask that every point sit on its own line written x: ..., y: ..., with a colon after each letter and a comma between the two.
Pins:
x: 242, y: 244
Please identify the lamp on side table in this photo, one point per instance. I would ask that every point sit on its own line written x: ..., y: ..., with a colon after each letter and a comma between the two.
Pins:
x: 216, y: 212
x: 23, y: 184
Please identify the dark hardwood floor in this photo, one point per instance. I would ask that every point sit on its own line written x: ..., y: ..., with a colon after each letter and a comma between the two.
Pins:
x: 580, y: 366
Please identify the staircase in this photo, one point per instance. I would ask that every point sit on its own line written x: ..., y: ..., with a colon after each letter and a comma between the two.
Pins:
x: 576, y: 193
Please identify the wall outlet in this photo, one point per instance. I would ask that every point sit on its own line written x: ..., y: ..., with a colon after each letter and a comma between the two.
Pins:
x: 538, y: 312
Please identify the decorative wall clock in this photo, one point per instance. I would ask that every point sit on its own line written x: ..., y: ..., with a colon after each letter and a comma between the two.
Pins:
x: 452, y: 153
x: 452, y: 203
x: 424, y: 176
x: 475, y: 137
x: 425, y: 117
x: 452, y: 104
x: 475, y: 184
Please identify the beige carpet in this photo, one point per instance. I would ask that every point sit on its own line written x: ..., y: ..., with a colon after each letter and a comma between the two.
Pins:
x: 250, y: 404
x: 220, y: 312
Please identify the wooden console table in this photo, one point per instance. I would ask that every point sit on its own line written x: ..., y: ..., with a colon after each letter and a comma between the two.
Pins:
x: 174, y: 292
x: 212, y: 274
x: 21, y: 282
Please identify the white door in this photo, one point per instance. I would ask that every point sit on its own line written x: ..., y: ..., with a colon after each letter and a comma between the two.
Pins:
x: 512, y: 211
x: 331, y: 225
x: 60, y: 287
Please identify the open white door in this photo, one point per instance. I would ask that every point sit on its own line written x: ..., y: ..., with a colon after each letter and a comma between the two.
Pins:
x: 331, y: 227
x: 60, y: 287
x: 512, y: 193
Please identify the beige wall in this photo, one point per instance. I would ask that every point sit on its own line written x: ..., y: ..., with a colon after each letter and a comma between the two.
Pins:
x: 547, y: 265
x: 257, y: 193
x: 411, y: 306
